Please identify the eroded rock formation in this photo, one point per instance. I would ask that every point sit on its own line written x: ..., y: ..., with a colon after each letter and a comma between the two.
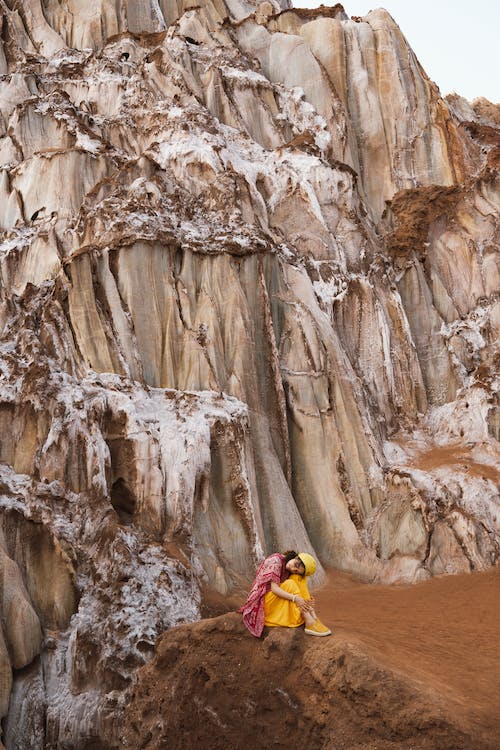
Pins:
x: 249, y: 300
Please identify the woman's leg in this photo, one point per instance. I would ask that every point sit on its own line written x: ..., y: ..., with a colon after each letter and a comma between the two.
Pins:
x: 283, y: 612
x: 303, y: 591
x: 314, y: 626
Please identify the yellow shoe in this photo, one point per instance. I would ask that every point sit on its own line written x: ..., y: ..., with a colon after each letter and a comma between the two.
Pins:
x: 317, y: 628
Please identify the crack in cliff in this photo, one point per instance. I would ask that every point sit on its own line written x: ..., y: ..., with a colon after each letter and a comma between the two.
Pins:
x: 276, y: 371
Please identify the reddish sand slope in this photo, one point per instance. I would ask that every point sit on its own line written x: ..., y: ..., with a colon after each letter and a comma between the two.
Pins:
x: 445, y: 632
x: 408, y: 668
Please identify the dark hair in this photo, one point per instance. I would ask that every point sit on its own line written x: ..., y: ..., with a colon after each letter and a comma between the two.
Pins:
x: 291, y: 555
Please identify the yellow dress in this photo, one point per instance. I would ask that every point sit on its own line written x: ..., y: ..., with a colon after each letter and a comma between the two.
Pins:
x: 283, y: 612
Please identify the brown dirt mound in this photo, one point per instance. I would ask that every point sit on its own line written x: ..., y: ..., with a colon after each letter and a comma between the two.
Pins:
x: 407, y: 668
x: 455, y: 456
x: 444, y: 632
x: 414, y: 211
x: 323, y: 11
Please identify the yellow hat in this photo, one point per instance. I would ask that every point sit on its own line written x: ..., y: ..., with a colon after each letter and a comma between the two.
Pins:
x: 308, y: 561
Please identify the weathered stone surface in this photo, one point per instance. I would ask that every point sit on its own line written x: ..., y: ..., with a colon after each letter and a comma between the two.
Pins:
x: 21, y: 625
x: 249, y: 301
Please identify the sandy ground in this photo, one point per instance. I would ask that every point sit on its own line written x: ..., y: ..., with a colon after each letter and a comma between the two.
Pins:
x: 444, y: 631
x: 407, y: 668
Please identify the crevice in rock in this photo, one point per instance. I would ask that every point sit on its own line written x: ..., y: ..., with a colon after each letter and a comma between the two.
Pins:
x: 277, y: 376
x: 123, y: 501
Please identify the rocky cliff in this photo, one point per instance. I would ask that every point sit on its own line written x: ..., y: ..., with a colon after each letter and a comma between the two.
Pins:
x: 249, y: 300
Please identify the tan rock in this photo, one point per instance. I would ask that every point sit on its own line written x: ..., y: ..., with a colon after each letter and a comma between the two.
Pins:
x: 446, y: 554
x: 21, y: 625
x: 5, y: 677
x: 47, y: 572
x: 247, y: 303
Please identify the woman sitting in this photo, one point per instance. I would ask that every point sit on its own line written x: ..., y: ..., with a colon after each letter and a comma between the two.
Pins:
x: 279, y: 595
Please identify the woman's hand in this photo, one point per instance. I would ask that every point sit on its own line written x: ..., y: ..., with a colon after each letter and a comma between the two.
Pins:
x: 303, y: 604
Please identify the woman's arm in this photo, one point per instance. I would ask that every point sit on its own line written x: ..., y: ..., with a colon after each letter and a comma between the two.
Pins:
x: 301, y: 603
x: 283, y: 594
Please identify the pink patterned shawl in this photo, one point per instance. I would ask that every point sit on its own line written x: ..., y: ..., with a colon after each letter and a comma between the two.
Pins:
x: 271, y: 569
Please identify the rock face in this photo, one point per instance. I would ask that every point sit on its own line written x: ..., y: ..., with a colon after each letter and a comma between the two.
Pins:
x: 249, y: 301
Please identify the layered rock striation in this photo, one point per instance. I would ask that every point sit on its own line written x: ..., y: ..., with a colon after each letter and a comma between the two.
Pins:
x: 249, y: 263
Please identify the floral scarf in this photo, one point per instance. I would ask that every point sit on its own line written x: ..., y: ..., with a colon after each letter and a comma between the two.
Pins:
x: 271, y: 569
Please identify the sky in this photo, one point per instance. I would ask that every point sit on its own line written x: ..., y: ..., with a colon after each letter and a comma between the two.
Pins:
x: 457, y: 43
